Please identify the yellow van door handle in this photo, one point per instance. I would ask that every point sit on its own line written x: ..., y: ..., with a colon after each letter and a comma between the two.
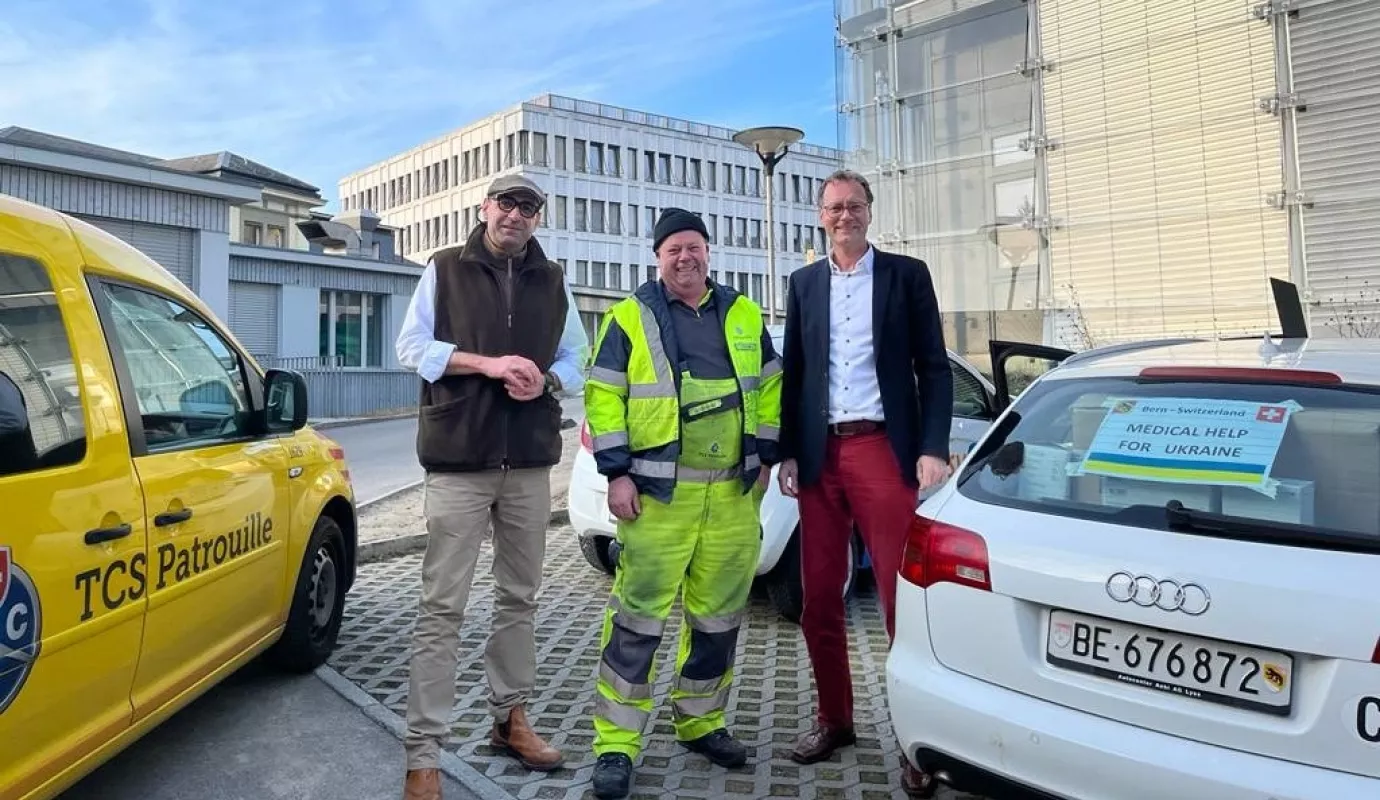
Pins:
x: 172, y: 517
x: 108, y: 534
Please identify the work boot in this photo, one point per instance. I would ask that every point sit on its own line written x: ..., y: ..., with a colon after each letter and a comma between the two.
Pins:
x: 719, y: 747
x: 612, y: 776
x: 521, y: 742
x: 422, y: 784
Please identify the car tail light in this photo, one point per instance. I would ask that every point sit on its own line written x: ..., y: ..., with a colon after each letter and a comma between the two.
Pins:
x: 1375, y: 657
x: 586, y: 441
x: 939, y: 553
x: 1244, y: 374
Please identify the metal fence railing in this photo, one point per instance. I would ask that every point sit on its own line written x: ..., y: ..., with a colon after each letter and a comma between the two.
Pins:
x: 335, y: 390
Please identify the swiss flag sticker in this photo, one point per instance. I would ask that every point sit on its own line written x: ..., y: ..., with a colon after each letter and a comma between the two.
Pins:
x: 4, y: 573
x: 1271, y: 414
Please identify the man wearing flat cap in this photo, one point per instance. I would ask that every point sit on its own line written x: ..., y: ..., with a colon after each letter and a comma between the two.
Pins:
x: 494, y: 334
x: 683, y: 402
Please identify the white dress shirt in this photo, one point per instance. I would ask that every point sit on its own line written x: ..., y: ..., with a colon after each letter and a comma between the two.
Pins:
x: 854, y: 392
x: 418, y: 349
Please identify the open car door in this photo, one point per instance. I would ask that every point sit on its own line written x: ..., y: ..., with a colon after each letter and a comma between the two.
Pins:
x: 1015, y: 365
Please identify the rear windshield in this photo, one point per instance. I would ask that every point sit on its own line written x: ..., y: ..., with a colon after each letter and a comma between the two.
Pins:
x: 1300, y: 459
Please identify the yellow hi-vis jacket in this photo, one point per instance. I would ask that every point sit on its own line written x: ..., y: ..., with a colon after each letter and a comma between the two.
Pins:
x: 632, y: 392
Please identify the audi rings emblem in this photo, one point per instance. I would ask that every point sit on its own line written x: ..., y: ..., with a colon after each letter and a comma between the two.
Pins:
x: 1166, y: 595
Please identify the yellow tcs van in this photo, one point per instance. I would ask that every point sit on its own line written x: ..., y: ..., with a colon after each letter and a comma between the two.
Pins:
x: 165, y: 513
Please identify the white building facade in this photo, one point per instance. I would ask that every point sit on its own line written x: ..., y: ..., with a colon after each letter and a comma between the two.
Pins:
x: 608, y: 172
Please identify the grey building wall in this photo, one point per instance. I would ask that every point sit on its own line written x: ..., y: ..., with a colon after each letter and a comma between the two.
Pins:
x: 77, y: 194
x: 281, y: 268
x: 163, y: 214
x: 206, y: 219
x: 299, y: 279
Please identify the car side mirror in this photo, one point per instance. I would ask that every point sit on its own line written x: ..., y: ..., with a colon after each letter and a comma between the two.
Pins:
x: 285, y: 401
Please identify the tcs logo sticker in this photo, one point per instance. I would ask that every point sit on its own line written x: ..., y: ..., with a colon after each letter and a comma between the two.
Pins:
x: 19, y: 628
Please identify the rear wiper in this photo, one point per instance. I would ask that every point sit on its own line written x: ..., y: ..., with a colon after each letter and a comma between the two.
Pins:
x: 995, y: 443
x: 1180, y: 519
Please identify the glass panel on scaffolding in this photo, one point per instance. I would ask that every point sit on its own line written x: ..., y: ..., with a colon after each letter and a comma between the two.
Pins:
x: 938, y: 120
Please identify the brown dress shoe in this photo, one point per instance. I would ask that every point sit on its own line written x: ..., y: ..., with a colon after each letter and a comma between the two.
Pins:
x: 820, y: 742
x: 422, y: 784
x: 521, y: 742
x: 917, y: 783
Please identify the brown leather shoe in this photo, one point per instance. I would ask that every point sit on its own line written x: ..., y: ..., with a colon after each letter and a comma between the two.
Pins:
x: 521, y: 742
x: 917, y: 783
x: 422, y: 784
x: 820, y: 742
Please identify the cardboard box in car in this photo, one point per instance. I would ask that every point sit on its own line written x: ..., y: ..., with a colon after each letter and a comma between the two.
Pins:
x: 1088, y: 414
x: 1045, y: 472
x: 1293, y: 502
x: 1121, y: 492
x: 1339, y: 451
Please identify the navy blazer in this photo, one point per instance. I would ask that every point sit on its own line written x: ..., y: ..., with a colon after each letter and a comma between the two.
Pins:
x: 912, y: 364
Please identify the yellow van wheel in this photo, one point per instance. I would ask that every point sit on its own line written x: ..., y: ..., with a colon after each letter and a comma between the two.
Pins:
x: 318, y: 603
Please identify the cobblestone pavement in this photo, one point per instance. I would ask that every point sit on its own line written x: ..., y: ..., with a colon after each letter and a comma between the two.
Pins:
x: 771, y: 703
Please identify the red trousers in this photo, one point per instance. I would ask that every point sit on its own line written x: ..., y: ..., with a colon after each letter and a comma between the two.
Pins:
x: 861, y: 482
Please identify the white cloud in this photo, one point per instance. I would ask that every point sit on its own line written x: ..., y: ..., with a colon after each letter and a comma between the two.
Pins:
x: 318, y: 88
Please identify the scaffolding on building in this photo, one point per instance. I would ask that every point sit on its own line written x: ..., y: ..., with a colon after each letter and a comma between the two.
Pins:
x: 1089, y: 171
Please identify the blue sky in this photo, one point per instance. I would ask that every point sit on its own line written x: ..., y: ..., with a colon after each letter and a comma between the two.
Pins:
x: 318, y: 88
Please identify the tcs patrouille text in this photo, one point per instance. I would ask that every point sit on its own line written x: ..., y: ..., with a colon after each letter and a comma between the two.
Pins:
x: 126, y: 580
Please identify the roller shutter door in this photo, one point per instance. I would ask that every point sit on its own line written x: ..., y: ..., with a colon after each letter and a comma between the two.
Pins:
x: 254, y: 316
x: 1336, y: 61
x: 173, y: 248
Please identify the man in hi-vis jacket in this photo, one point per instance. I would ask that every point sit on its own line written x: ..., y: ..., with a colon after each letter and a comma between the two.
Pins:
x: 683, y: 402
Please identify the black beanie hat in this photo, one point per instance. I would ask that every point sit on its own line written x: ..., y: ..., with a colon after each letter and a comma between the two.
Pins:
x: 675, y: 220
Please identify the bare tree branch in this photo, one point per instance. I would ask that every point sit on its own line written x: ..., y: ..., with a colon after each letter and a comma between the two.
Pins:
x: 1086, y: 339
x: 1356, y: 313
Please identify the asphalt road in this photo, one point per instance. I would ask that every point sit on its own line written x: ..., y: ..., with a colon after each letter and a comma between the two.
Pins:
x: 260, y: 736
x: 383, y: 455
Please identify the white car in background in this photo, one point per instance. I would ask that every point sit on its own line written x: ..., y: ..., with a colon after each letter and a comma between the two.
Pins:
x: 779, y: 564
x: 1099, y: 606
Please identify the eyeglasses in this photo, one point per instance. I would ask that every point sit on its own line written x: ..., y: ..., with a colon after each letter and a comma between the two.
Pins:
x: 856, y: 209
x: 527, y: 208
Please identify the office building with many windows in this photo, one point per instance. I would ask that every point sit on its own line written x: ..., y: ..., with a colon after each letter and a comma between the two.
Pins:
x: 608, y: 172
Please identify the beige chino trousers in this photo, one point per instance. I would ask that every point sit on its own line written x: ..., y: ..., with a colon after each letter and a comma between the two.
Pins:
x: 460, y: 508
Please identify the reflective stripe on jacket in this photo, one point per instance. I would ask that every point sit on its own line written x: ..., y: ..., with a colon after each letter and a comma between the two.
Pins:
x: 632, y: 392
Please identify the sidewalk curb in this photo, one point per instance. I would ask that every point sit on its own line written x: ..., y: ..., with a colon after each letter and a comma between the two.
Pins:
x: 389, y: 495
x: 345, y: 423
x: 451, y: 764
x: 384, y: 549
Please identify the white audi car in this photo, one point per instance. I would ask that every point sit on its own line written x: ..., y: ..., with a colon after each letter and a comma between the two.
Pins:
x: 779, y: 564
x: 1157, y: 576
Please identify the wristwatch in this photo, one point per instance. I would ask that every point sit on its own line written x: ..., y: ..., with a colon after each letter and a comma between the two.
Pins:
x: 553, y: 384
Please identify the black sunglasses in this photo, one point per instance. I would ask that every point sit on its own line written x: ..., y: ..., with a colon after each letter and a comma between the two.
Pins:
x: 528, y: 208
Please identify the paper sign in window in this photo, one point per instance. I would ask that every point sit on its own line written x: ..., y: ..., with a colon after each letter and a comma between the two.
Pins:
x: 1190, y: 441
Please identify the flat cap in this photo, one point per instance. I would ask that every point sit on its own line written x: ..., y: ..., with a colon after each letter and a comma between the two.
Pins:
x: 514, y: 185
x: 675, y: 220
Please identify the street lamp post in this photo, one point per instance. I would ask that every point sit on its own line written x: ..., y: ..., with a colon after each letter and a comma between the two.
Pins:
x: 771, y: 144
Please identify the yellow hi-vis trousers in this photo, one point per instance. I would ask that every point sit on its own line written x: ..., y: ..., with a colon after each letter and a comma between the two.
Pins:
x: 704, y: 545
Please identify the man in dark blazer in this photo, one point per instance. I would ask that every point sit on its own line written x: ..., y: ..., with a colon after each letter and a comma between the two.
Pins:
x: 866, y: 405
